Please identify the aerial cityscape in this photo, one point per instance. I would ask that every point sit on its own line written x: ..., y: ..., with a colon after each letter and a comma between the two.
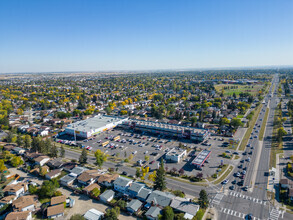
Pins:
x: 157, y: 110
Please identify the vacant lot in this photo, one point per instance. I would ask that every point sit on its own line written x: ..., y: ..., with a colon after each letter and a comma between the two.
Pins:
x: 229, y: 89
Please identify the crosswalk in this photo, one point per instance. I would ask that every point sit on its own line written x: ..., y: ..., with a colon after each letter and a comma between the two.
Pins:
x: 275, y: 214
x: 239, y: 195
x: 235, y: 213
x: 217, y: 199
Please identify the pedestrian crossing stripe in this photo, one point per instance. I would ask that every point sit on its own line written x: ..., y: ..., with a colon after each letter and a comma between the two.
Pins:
x: 235, y: 213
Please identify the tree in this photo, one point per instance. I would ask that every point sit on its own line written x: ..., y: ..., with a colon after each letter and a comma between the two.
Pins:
x: 54, y: 151
x: 2, y: 178
x: 112, y: 214
x: 122, y: 204
x: 27, y: 141
x: 9, y: 137
x: 281, y: 133
x: 48, y: 188
x: 147, y: 158
x: 77, y: 217
x: 62, y: 152
x: 203, y: 199
x: 236, y: 122
x: 101, y: 157
x: 2, y: 166
x: 43, y: 171
x: 160, y: 179
x: 168, y: 213
x: 16, y: 161
x: 138, y: 173
x: 83, y: 156
x: 19, y: 140
x: 96, y: 192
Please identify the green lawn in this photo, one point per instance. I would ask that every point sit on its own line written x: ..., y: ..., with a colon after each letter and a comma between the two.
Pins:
x: 252, y: 89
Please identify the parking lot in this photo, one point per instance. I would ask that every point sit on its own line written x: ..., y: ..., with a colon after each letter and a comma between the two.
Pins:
x: 136, y: 146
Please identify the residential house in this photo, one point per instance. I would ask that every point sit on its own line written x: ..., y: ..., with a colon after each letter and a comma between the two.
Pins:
x: 25, y: 203
x: 67, y: 180
x: 69, y: 166
x: 134, y: 189
x: 93, y: 214
x: 160, y: 198
x: 26, y: 215
x: 41, y: 160
x: 76, y: 171
x: 107, y: 179
x: 153, y: 213
x: 285, y: 183
x: 17, y: 189
x: 121, y: 184
x: 53, y: 174
x: 133, y: 206
x: 55, y: 211
x: 143, y: 194
x: 55, y: 163
x: 88, y: 189
x: 58, y: 200
x: 18, y: 150
x: 107, y: 196
x: 7, y: 200
x: 86, y: 179
x: 185, y: 206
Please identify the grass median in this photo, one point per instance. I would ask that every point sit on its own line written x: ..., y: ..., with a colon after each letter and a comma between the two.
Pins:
x: 263, y: 126
x: 277, y: 147
x: 224, y: 176
x: 249, y: 129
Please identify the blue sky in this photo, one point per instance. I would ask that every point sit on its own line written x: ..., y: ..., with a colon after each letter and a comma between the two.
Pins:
x: 96, y: 35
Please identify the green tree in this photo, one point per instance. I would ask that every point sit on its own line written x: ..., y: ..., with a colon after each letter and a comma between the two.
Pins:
x: 16, y: 161
x: 9, y: 137
x: 2, y: 166
x: 281, y: 133
x: 1, y: 193
x: 19, y: 140
x: 160, y: 179
x: 27, y: 141
x: 96, y: 192
x: 2, y: 178
x: 101, y: 157
x: 236, y: 122
x: 83, y: 156
x: 138, y: 173
x: 48, y: 188
x: 62, y: 152
x: 77, y: 217
x: 112, y: 214
x: 203, y: 200
x: 54, y: 151
x: 122, y: 204
x: 168, y: 213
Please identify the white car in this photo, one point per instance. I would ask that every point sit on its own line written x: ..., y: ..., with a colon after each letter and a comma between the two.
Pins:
x: 145, y: 152
x: 134, y: 152
x: 225, y: 181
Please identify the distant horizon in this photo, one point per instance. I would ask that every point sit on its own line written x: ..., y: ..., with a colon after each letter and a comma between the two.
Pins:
x: 161, y: 70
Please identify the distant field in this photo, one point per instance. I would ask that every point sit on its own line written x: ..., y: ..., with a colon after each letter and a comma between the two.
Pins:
x: 253, y: 89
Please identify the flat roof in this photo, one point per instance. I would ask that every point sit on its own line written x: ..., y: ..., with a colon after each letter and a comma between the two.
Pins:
x: 94, y: 123
x: 176, y: 152
x: 201, y: 157
x: 167, y: 126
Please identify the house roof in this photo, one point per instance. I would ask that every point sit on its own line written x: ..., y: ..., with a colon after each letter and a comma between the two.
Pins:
x: 284, y: 181
x: 67, y: 178
x: 23, y: 202
x: 56, y: 163
x: 134, y: 204
x: 54, y: 172
x: 184, y: 205
x: 107, y: 194
x: 40, y: 158
x: 78, y: 170
x: 55, y: 210
x: 90, y: 188
x: 160, y: 198
x: 85, y: 177
x: 143, y: 193
x: 7, y: 199
x: 14, y: 187
x: 122, y: 181
x: 154, y: 211
x: 136, y: 187
x: 58, y: 199
x: 93, y: 214
x: 108, y: 178
x: 17, y: 215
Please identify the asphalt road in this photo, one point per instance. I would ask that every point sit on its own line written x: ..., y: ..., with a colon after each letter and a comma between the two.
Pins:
x: 238, y: 203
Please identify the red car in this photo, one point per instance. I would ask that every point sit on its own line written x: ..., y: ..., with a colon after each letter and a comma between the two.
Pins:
x: 152, y: 162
